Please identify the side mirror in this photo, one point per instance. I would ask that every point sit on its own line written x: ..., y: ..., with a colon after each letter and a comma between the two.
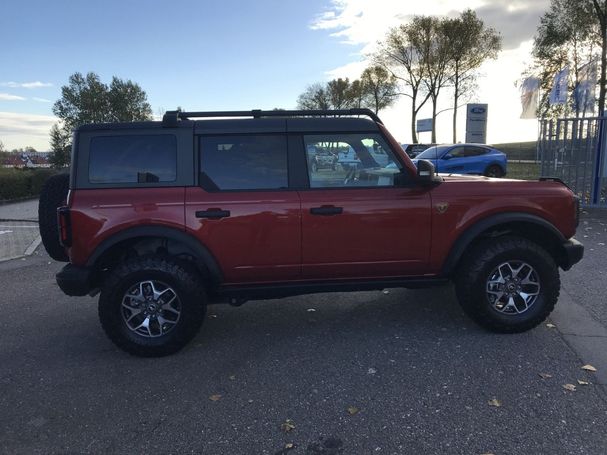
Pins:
x: 426, y: 173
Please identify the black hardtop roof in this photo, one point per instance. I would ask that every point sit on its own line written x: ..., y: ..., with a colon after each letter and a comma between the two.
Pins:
x: 220, y: 122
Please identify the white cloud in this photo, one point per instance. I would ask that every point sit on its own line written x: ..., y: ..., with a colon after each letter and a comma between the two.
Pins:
x: 35, y: 84
x: 41, y: 100
x: 9, y: 97
x: 362, y: 23
x: 20, y: 130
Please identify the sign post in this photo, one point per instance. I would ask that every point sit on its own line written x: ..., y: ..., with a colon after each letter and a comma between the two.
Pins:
x: 424, y: 125
x: 476, y: 123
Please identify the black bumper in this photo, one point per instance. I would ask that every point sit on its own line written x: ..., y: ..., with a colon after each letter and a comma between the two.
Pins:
x: 74, y: 280
x: 574, y: 252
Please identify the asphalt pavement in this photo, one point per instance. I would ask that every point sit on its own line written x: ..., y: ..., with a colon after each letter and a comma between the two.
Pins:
x: 401, y: 372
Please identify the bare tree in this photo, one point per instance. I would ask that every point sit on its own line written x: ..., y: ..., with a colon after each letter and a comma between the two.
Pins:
x: 399, y: 54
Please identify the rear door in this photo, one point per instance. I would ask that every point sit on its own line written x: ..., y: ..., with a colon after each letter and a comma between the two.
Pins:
x: 242, y: 209
x: 355, y: 222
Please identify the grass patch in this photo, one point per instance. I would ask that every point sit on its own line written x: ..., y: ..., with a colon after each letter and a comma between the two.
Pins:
x: 518, y: 150
x: 523, y: 171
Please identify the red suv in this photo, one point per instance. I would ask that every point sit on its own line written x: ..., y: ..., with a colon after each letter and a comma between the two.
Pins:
x: 163, y: 218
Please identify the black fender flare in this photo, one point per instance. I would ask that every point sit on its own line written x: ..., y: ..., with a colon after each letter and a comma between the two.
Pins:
x: 472, y: 232
x: 204, y: 257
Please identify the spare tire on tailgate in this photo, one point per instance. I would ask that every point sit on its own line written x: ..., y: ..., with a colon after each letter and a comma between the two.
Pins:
x: 52, y: 196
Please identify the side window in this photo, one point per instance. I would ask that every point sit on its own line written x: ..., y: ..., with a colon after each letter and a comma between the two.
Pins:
x: 243, y: 162
x: 457, y: 152
x: 133, y: 159
x: 345, y: 160
x: 475, y: 151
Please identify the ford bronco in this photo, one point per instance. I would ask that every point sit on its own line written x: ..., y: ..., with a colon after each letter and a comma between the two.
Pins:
x: 163, y: 218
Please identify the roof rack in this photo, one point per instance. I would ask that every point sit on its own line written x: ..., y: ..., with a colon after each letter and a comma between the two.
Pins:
x: 171, y: 118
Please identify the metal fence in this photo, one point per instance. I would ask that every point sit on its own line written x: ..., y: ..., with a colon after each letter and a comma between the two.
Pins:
x: 574, y: 149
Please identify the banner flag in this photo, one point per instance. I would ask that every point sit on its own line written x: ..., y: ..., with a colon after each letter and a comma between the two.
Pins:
x: 584, y: 94
x: 558, y: 95
x: 529, y: 96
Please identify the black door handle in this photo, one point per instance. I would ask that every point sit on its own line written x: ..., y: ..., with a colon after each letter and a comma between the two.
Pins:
x: 215, y: 214
x: 326, y: 210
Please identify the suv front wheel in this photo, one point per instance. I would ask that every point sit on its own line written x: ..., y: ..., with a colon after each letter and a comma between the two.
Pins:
x: 508, y: 284
x: 152, y: 306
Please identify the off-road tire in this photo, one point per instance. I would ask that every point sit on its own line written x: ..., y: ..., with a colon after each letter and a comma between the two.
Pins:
x: 494, y: 171
x: 180, y: 276
x: 53, y: 195
x: 473, y: 273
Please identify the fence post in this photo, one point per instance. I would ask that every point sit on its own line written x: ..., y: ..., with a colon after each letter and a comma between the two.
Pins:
x: 598, y: 168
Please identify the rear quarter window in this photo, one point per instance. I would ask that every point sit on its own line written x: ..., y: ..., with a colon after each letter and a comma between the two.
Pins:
x: 133, y: 159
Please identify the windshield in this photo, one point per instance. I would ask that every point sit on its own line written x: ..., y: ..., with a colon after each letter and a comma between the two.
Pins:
x: 432, y: 153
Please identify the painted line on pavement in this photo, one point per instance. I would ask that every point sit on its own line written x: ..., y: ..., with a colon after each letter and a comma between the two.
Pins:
x: 30, y: 249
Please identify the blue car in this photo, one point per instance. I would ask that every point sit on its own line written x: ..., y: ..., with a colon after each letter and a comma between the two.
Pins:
x: 466, y: 159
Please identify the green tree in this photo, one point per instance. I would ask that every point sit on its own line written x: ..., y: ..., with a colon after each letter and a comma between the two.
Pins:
x: 379, y: 87
x: 60, y: 147
x: 338, y: 92
x: 85, y: 99
x: 470, y: 43
x: 314, y: 97
x: 429, y: 35
x: 3, y: 152
x: 600, y: 10
x: 569, y: 36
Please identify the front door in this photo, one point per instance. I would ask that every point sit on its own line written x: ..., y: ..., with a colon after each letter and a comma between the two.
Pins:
x: 355, y: 222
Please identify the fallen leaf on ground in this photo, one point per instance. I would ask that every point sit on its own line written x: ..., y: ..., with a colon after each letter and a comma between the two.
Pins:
x: 569, y: 387
x: 545, y: 375
x: 386, y: 291
x: 580, y: 382
x: 289, y: 446
x: 311, y: 310
x: 216, y: 397
x: 371, y: 371
x: 589, y: 368
x: 287, y: 426
x: 353, y: 410
x: 212, y: 316
x: 233, y: 377
x: 494, y: 402
x: 551, y: 326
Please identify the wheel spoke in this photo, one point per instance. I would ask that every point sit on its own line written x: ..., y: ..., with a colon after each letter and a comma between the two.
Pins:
x: 133, y: 314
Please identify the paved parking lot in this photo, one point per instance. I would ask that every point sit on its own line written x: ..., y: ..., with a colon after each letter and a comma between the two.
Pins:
x: 360, y: 373
x: 19, y: 234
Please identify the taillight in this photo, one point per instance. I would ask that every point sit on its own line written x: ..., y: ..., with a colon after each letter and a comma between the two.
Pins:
x: 65, y: 226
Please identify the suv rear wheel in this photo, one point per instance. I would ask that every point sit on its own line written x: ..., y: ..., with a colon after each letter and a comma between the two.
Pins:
x: 152, y: 306
x: 508, y: 284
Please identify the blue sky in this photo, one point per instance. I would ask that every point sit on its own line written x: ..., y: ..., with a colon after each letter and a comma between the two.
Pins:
x: 209, y: 55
